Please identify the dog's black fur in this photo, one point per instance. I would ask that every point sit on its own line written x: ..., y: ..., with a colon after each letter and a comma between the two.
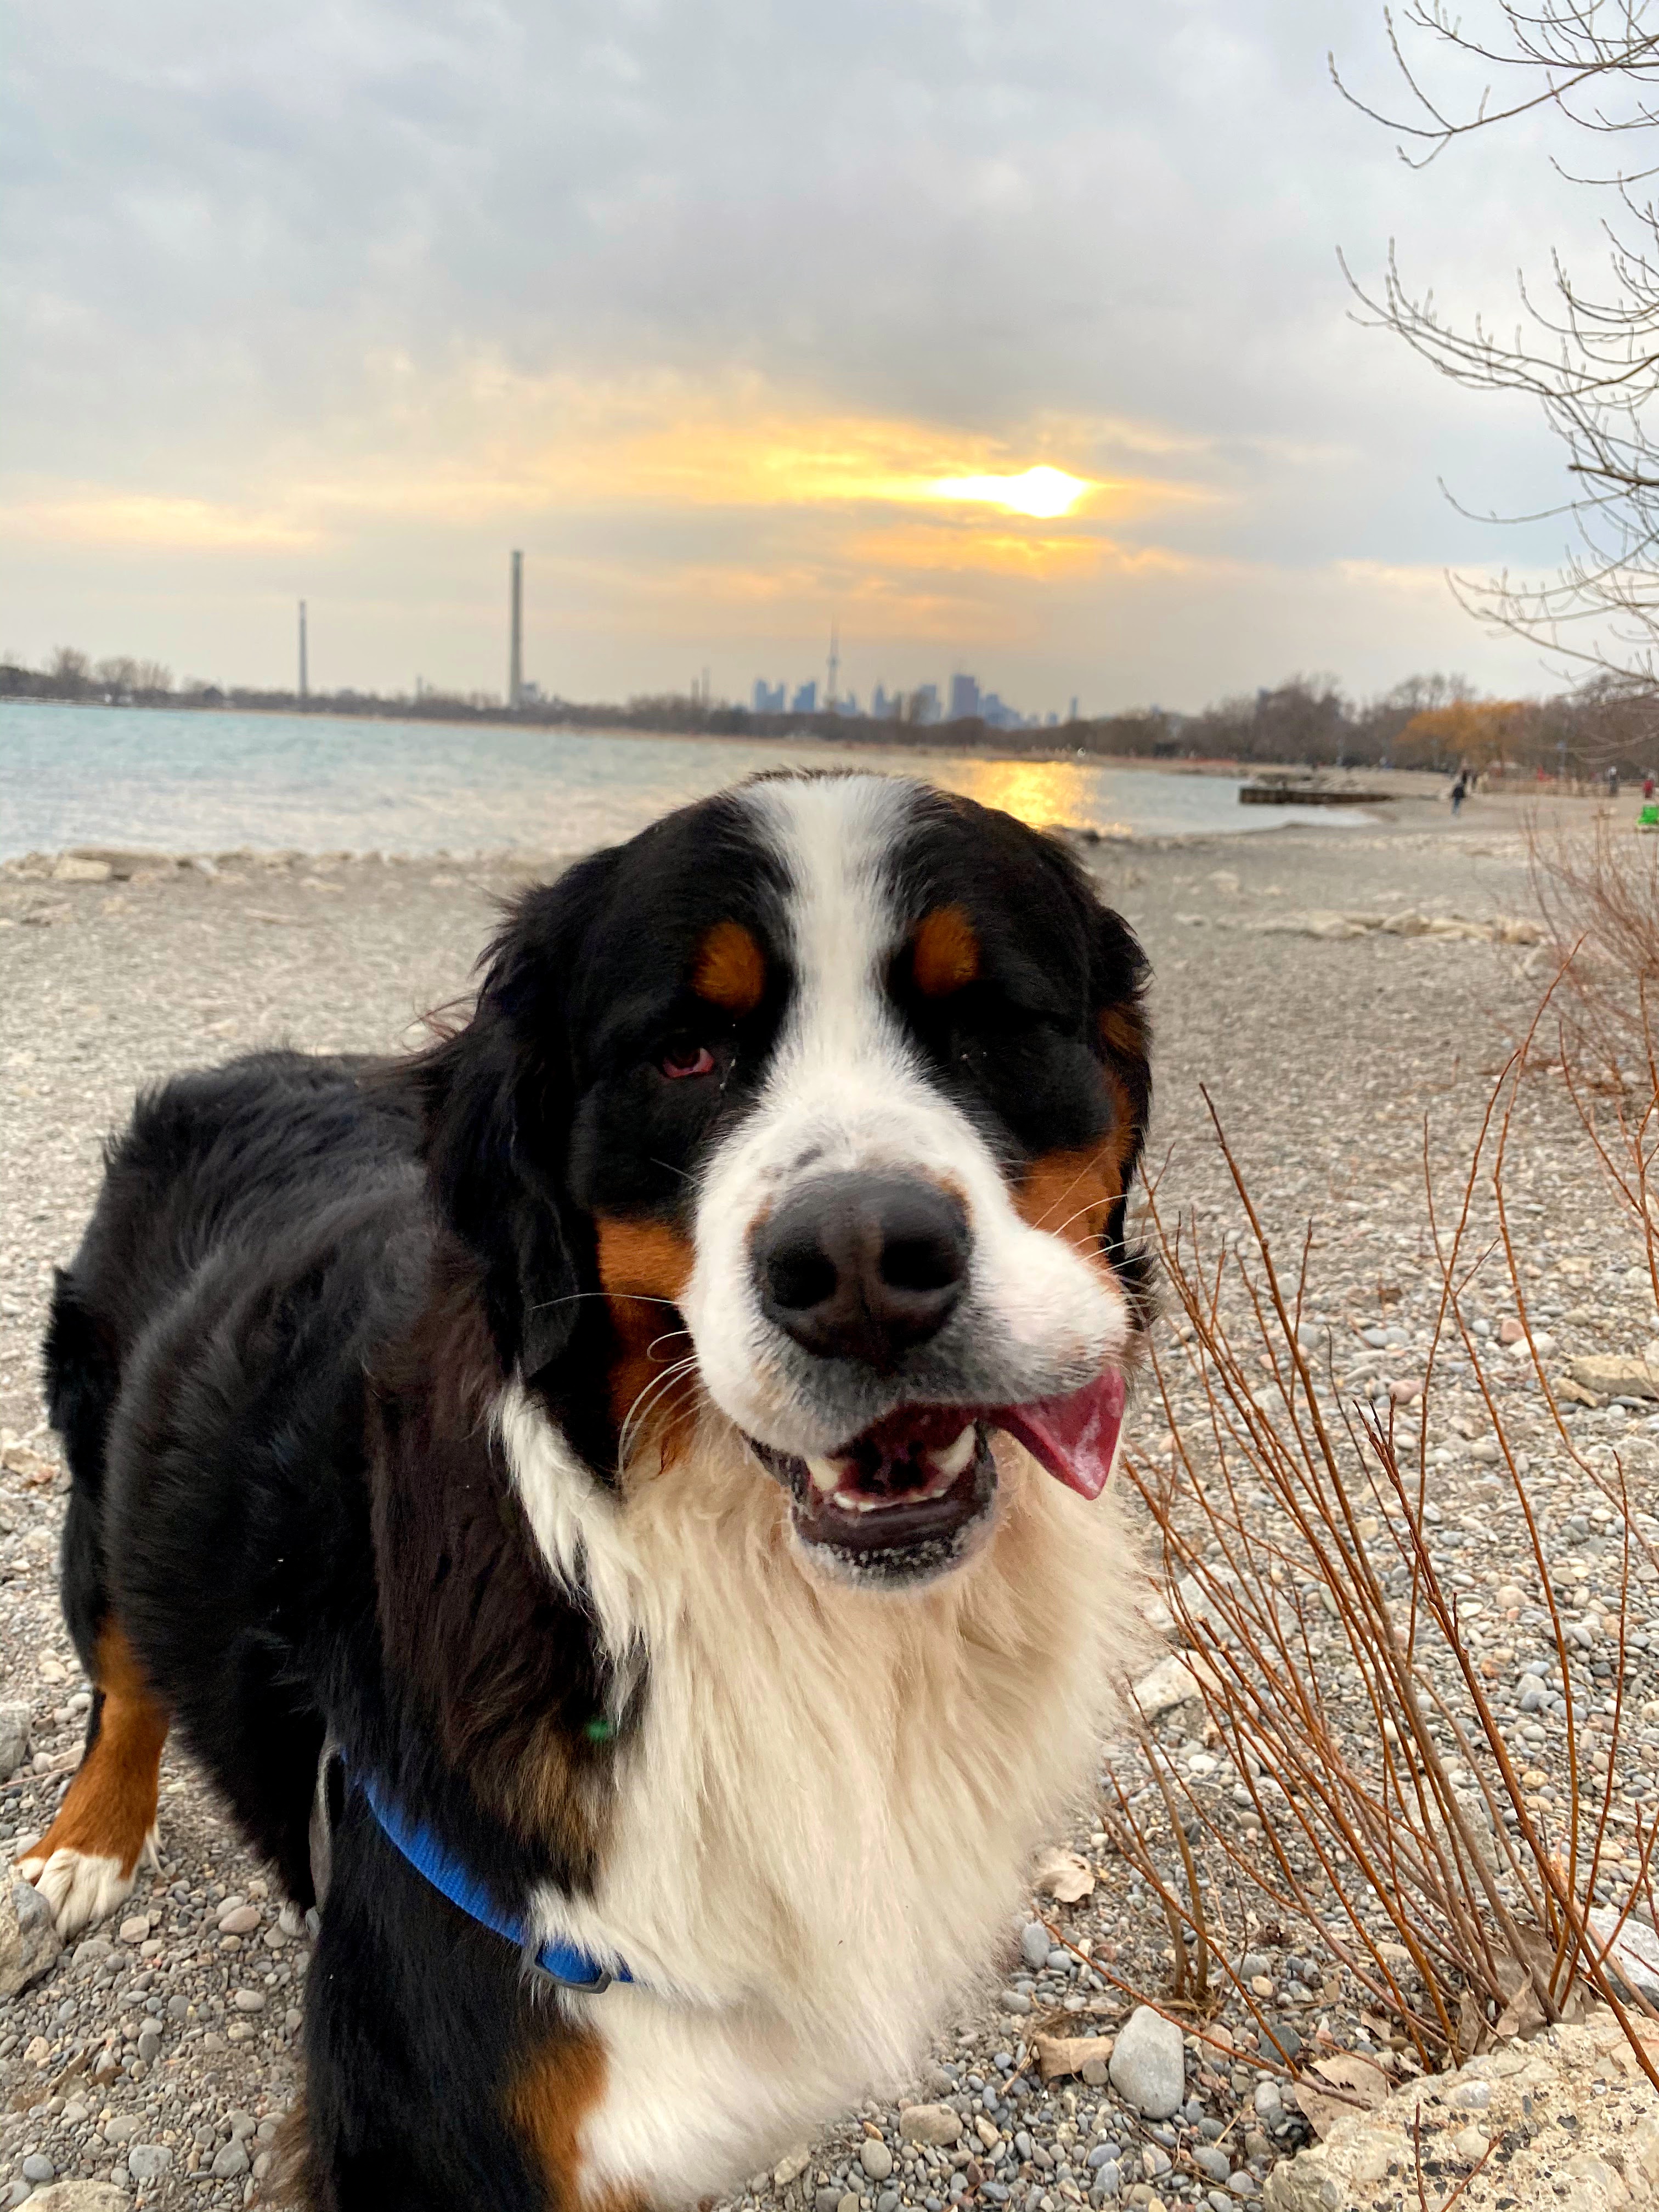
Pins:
x: 272, y: 1361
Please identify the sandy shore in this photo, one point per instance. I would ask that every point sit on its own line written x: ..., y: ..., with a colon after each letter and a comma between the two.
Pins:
x: 1322, y: 1051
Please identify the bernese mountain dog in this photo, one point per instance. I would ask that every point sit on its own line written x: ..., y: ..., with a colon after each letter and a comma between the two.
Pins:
x: 613, y: 1499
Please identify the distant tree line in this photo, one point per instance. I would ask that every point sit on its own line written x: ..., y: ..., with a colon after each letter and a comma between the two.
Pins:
x: 1433, y: 722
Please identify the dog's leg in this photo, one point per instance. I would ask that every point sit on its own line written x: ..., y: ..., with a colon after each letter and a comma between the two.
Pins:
x: 83, y: 1866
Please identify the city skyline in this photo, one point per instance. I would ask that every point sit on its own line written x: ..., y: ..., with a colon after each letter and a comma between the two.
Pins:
x: 919, y: 702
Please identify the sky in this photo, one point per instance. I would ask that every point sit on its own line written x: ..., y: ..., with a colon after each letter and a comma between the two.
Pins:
x: 741, y: 318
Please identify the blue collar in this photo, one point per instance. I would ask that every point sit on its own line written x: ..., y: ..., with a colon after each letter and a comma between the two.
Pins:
x: 566, y: 1964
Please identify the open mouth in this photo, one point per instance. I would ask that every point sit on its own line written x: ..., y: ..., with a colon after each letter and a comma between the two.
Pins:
x: 908, y: 1498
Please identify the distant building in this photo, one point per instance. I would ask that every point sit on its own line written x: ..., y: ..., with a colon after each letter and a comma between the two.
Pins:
x: 1071, y: 712
x: 882, y: 708
x: 806, y: 701
x: 999, y: 715
x: 530, y: 694
x: 964, y: 698
x: 768, y: 697
x: 925, y: 699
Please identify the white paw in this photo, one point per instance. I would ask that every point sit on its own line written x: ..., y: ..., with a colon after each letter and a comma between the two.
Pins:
x: 79, y: 1887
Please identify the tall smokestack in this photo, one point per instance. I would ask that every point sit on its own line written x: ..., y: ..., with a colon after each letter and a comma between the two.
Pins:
x: 305, y: 679
x: 516, y: 656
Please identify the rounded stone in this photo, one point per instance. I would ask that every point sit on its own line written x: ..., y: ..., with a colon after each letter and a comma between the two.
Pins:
x: 249, y: 2000
x: 37, y: 2166
x: 1148, y: 2064
x: 876, y: 2159
x: 929, y: 2124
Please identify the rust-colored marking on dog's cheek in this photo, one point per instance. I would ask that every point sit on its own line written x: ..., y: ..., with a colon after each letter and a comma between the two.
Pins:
x: 730, y: 969
x: 944, y: 952
x: 644, y: 1266
x: 111, y: 1805
x: 1070, y: 1194
x: 548, y: 2105
x: 643, y: 1259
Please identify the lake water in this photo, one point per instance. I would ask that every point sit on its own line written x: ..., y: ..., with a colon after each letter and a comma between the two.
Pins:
x: 205, y: 782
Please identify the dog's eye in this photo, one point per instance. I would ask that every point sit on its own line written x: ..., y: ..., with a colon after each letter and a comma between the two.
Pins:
x: 686, y: 1058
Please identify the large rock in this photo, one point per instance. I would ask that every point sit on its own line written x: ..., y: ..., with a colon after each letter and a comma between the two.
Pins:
x: 1606, y: 2159
x: 28, y: 1941
x: 81, y: 2197
x: 1149, y: 2065
x: 14, y: 1739
x: 1612, y: 1374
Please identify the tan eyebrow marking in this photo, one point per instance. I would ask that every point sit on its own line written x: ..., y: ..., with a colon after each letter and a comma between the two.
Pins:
x: 730, y: 969
x: 944, y: 952
x: 1123, y: 1031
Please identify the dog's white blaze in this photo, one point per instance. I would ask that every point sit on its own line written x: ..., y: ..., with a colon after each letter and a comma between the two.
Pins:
x: 824, y: 1823
x: 847, y: 1091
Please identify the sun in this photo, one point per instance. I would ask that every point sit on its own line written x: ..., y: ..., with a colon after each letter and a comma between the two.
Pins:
x: 1043, y: 492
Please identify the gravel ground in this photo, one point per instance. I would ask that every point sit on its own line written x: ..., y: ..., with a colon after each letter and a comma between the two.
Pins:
x: 158, y: 2055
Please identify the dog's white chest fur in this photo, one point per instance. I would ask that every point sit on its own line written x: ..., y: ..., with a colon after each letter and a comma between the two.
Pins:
x: 823, y: 1825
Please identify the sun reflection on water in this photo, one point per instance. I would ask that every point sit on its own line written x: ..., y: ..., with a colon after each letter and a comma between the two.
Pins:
x: 1039, y: 792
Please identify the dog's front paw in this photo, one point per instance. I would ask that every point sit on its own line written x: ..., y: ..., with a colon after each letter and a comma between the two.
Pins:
x: 80, y: 1888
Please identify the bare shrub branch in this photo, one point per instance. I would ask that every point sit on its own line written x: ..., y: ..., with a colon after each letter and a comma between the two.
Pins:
x: 1407, y: 1846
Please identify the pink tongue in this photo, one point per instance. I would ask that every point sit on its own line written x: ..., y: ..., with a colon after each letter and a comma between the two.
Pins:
x: 1074, y: 1437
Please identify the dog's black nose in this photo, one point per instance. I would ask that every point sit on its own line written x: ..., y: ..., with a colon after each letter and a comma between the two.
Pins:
x: 862, y: 1267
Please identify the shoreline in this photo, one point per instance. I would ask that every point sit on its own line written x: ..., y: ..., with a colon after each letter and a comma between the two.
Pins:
x: 858, y: 735
x: 1410, y: 813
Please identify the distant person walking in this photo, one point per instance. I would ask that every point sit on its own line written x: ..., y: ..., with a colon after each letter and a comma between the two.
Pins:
x: 1612, y: 781
x: 1648, y: 788
x: 1460, y: 792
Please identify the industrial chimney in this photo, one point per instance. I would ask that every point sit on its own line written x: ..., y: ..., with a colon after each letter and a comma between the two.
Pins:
x: 516, y: 656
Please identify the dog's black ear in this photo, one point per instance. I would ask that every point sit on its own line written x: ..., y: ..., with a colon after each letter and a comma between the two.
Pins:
x: 496, y: 1100
x: 1118, y: 974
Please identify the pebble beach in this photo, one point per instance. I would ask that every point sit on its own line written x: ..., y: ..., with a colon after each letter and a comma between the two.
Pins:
x: 1330, y: 988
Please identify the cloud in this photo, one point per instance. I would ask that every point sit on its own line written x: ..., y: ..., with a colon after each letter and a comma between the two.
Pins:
x: 702, y: 301
x: 113, y: 518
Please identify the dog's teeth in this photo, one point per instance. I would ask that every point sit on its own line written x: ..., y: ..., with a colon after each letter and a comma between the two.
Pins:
x: 954, y: 1457
x: 826, y: 1473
